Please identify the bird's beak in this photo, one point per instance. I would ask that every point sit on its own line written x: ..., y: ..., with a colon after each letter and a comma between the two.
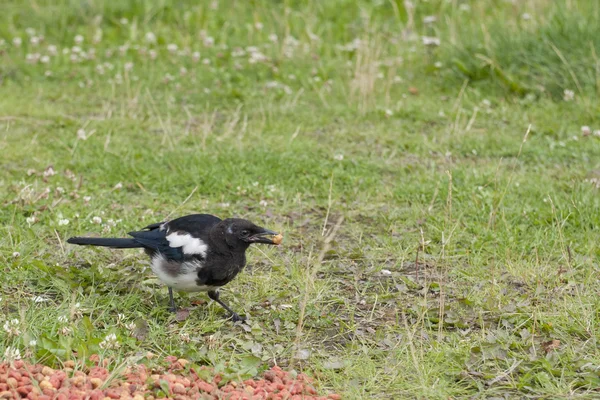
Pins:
x: 268, y: 237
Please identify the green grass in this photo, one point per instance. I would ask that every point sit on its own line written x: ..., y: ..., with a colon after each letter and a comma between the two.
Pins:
x: 462, y: 250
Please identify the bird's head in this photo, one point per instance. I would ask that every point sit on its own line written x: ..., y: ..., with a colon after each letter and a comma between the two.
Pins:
x: 242, y: 233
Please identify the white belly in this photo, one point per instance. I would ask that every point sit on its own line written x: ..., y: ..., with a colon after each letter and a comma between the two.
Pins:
x: 184, y: 279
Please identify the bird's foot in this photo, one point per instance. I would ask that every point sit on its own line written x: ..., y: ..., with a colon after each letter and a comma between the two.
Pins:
x: 235, y: 317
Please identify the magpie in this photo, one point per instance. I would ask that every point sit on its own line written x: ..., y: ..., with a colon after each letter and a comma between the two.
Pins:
x: 194, y: 253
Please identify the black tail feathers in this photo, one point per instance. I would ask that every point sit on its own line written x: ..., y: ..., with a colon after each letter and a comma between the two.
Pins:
x: 115, y: 243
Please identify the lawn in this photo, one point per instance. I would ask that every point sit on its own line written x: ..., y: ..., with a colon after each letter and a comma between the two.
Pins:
x: 434, y: 167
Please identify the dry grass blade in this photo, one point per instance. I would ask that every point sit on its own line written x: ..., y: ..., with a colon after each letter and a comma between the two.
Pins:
x: 311, y: 271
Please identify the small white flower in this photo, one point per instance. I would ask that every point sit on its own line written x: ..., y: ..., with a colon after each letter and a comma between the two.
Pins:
x: 526, y: 16
x: 209, y: 41
x: 12, y: 354
x: 172, y: 47
x: 183, y: 71
x: 431, y: 41
x: 153, y: 54
x: 17, y: 42
x: 52, y: 49
x: 49, y: 172
x: 258, y: 26
x: 32, y: 58
x: 386, y: 272
x: 389, y: 113
x: 16, y: 254
x: 196, y: 56
x: 96, y: 220
x: 12, y: 327
x: 338, y: 157
x: 586, y: 131
x: 597, y: 133
x: 118, y: 186
x: 256, y: 56
x: 263, y: 203
x: 62, y: 222
x: 32, y: 343
x: 185, y: 337
x: 77, y: 305
x: 150, y: 37
x: 238, y: 52
x: 568, y: 95
x: 44, y: 59
x: 109, y: 342
x: 34, y: 40
x: 128, y: 66
x: 81, y: 134
x: 78, y: 39
x: 65, y: 330
x: 87, y: 198
x: 273, y: 37
x: 31, y: 220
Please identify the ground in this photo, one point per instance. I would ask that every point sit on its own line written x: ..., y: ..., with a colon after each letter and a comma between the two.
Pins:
x: 433, y: 165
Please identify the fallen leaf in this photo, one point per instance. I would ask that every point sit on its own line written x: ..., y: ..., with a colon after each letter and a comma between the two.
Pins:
x: 303, y: 354
x: 551, y: 345
x: 334, y: 364
x: 182, y: 315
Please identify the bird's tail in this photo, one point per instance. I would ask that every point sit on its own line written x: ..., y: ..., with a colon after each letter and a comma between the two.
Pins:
x: 115, y: 243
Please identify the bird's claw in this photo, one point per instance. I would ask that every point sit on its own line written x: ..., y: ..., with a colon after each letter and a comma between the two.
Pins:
x: 237, y: 318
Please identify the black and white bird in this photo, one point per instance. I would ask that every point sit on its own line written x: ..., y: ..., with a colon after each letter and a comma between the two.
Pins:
x: 195, y: 253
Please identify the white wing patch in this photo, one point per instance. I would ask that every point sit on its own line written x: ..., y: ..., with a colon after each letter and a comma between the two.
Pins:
x: 190, y: 244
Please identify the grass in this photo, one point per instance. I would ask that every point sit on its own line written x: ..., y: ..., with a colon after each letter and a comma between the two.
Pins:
x: 439, y: 203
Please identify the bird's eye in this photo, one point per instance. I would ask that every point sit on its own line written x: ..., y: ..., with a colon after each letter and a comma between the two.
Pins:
x: 245, y: 232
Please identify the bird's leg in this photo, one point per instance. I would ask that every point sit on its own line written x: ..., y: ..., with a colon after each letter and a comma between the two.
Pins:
x: 214, y: 295
x: 172, y: 306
